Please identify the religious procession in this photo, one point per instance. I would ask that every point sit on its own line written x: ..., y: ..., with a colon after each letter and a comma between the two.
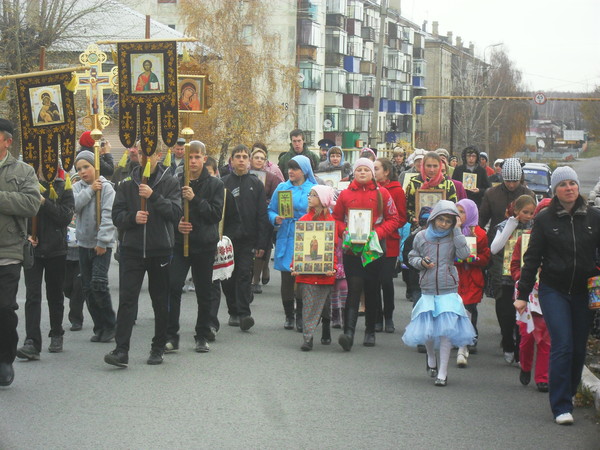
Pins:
x: 341, y: 234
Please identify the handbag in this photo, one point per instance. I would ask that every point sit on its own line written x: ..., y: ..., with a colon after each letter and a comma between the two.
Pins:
x: 28, y: 255
x: 224, y: 258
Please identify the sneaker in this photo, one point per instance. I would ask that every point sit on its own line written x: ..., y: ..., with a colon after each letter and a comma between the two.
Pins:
x: 56, y: 344
x: 234, y: 321
x: 246, y: 323
x: 171, y: 346
x: 76, y: 327
x: 156, y: 356
x: 461, y: 361
x: 202, y: 345
x: 107, y: 335
x: 564, y: 419
x: 28, y: 351
x: 212, y: 334
x: 542, y: 387
x: 524, y: 377
x: 509, y: 357
x: 117, y: 358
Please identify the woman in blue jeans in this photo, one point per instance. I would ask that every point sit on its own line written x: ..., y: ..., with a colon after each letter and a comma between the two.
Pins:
x: 564, y: 240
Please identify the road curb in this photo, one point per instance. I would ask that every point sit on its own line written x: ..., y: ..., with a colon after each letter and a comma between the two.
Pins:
x: 591, y: 382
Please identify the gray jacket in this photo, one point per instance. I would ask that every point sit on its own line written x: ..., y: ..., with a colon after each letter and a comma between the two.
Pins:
x: 85, y: 209
x: 19, y: 197
x: 443, y: 277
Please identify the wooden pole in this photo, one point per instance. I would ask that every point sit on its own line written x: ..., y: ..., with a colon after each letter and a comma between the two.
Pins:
x: 44, y: 72
x: 34, y: 219
x: 187, y: 133
x: 96, y: 135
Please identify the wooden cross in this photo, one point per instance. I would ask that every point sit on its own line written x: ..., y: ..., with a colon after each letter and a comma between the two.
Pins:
x: 95, y: 82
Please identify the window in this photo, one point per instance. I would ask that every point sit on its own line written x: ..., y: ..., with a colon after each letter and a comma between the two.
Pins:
x: 309, y: 33
x: 312, y: 75
x: 335, y: 41
x: 337, y: 7
x: 355, y: 9
x: 335, y: 80
x: 307, y: 119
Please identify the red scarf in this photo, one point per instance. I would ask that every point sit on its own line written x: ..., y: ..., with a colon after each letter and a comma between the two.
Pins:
x: 432, y: 182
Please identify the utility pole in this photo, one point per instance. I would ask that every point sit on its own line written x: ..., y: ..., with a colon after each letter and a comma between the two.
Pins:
x: 373, y: 135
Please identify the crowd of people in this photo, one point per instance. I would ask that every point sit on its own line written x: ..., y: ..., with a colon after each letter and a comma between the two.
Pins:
x: 423, y: 216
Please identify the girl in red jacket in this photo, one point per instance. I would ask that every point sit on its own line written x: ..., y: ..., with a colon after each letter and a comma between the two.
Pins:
x: 364, y: 193
x: 470, y: 271
x: 315, y: 289
x: 384, y: 175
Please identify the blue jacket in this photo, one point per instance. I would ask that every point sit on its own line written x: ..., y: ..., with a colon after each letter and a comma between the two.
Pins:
x: 284, y: 245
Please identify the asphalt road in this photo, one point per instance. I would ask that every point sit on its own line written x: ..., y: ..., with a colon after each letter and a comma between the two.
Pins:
x: 258, y: 390
x: 588, y: 171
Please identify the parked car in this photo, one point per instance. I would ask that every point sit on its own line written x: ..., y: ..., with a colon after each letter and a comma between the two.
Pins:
x: 537, y: 178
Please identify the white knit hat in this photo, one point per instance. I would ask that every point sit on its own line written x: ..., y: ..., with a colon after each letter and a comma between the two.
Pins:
x: 512, y: 170
x: 561, y: 174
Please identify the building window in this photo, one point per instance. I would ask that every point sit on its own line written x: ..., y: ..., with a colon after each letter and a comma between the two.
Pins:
x: 312, y: 74
x: 309, y: 33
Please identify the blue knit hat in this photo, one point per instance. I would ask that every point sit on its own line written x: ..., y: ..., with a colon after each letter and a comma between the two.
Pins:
x: 561, y: 174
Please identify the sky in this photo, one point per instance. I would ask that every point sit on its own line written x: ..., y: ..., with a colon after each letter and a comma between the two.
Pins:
x: 555, y: 44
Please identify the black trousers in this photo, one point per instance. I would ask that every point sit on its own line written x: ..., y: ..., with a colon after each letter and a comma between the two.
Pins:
x: 131, y: 276
x: 387, y: 289
x: 53, y: 272
x: 73, y: 290
x: 238, y: 289
x: 202, y: 270
x: 505, y: 312
x: 215, y: 303
x: 9, y: 280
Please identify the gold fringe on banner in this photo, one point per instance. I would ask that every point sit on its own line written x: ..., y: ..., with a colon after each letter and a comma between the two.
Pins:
x: 42, y: 189
x: 167, y: 160
x: 123, y: 160
x: 3, y: 93
x: 72, y: 85
x: 53, y: 195
x: 68, y: 185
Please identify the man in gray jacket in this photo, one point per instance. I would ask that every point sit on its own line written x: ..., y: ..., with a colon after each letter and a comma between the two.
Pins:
x: 19, y: 198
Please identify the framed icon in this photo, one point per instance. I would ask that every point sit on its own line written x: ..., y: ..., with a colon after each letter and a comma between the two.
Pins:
x: 148, y: 76
x: 46, y: 105
x: 359, y: 225
x: 190, y: 92
x: 331, y: 178
x: 312, y: 249
x: 285, y: 204
x: 428, y: 197
x: 508, y: 251
x: 469, y: 181
x: 524, y: 244
x: 472, y: 243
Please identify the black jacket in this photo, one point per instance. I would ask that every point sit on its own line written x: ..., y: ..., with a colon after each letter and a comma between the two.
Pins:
x: 482, y: 181
x: 53, y: 218
x: 206, y: 209
x: 565, y: 245
x: 157, y: 237
x: 249, y: 194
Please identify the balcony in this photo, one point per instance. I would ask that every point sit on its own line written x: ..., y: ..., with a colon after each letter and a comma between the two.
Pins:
x: 308, y: 9
x: 353, y: 28
x: 309, y: 33
x: 368, y: 33
x: 334, y: 60
x: 312, y: 74
x: 336, y: 20
x: 337, y: 7
x: 367, y: 68
x: 352, y: 64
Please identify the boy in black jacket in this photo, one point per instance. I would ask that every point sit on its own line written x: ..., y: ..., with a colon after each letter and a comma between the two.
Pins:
x: 249, y: 195
x: 205, y: 196
x: 50, y: 257
x: 146, y: 246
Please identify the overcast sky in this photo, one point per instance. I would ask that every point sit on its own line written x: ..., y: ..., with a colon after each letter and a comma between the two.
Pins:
x: 555, y: 44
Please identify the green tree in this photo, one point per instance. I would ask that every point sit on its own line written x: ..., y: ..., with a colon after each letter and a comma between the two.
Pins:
x: 248, y: 75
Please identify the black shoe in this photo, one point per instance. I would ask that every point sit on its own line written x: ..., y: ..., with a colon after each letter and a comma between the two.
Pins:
x: 7, y: 374
x: 389, y: 326
x: 431, y: 371
x: 542, y: 387
x: 202, y: 345
x: 107, y: 335
x: 171, y: 346
x: 524, y: 377
x: 346, y: 341
x: 56, y: 344
x: 234, y: 321
x: 156, y: 356
x: 307, y: 346
x: 28, y: 351
x: 369, y: 339
x: 212, y: 334
x: 299, y: 324
x: 326, y: 337
x: 266, y: 280
x: 117, y: 358
x: 440, y: 382
x: 246, y: 323
x: 76, y: 327
x: 289, y: 323
x: 256, y: 289
x: 96, y: 336
x: 378, y: 327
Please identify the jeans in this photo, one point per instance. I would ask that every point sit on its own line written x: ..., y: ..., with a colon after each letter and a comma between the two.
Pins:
x: 94, y: 281
x: 53, y: 271
x: 73, y: 290
x: 202, y: 270
x: 568, y: 319
x: 9, y: 280
x: 131, y: 276
x: 238, y: 289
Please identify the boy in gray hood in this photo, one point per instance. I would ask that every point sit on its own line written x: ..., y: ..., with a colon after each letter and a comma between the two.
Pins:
x: 439, y: 318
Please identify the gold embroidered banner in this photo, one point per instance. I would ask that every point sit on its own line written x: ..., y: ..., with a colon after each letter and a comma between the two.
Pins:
x: 47, y: 112
x: 148, y: 99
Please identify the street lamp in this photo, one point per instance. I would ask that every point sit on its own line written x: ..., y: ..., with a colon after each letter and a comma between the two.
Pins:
x: 487, y: 102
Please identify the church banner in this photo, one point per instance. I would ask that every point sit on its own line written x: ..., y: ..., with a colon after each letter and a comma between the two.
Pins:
x: 47, y: 111
x: 148, y: 97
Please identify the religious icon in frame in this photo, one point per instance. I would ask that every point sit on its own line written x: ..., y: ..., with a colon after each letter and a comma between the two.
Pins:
x: 147, y: 73
x: 46, y: 105
x: 359, y: 225
x: 190, y: 91
x: 312, y: 248
x: 469, y: 181
x: 428, y: 197
x: 285, y: 204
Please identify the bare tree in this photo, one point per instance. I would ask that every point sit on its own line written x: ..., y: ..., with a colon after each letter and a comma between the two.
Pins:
x: 247, y: 73
x: 591, y: 113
